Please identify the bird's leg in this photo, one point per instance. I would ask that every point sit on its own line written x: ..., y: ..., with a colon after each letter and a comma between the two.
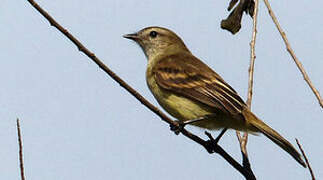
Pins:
x: 177, y: 129
x: 211, y: 143
x: 191, y: 121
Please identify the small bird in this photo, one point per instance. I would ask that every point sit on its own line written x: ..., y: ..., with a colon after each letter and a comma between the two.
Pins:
x: 192, y: 92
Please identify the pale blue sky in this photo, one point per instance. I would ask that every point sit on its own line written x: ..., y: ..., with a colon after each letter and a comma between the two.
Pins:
x: 78, y: 123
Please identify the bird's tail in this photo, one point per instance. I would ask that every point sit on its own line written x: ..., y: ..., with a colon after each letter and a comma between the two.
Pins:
x: 272, y: 135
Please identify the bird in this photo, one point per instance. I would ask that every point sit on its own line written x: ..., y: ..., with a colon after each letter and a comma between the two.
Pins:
x: 193, y: 93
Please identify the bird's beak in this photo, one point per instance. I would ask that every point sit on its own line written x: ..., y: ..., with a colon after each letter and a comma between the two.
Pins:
x: 133, y: 36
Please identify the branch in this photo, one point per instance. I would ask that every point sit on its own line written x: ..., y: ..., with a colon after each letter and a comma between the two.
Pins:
x: 244, y: 139
x: 21, y: 159
x: 213, y: 144
x: 291, y: 52
x: 206, y: 144
x: 252, y: 54
x: 306, y: 160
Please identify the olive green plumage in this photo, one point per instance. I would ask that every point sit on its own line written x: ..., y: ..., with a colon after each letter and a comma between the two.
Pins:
x: 188, y: 89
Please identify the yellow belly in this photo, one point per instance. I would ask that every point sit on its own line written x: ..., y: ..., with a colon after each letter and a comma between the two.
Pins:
x: 184, y: 109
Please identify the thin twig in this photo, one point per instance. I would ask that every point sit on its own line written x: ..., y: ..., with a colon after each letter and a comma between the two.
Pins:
x: 306, y: 160
x: 291, y: 52
x: 21, y: 159
x: 252, y: 54
x: 243, y: 142
x: 140, y: 98
x: 244, y: 139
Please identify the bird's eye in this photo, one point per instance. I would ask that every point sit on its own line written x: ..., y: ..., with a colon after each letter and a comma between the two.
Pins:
x: 153, y: 34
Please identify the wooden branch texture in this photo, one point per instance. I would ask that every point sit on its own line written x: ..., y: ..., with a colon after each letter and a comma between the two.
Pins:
x: 291, y: 52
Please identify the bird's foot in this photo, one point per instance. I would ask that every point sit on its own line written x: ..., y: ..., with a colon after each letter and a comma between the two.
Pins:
x: 177, y: 129
x: 212, y: 143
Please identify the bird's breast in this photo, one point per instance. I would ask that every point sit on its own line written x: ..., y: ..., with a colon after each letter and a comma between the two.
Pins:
x: 178, y: 106
x: 183, y: 108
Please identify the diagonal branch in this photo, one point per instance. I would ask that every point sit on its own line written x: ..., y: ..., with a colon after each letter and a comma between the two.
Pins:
x: 21, y: 159
x: 211, y: 149
x: 244, y: 139
x: 301, y: 68
x: 291, y: 52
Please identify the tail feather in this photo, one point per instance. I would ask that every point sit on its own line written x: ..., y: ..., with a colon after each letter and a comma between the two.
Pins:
x: 273, y: 135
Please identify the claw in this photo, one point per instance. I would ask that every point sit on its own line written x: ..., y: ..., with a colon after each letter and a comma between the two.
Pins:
x: 177, y: 129
x: 209, y: 146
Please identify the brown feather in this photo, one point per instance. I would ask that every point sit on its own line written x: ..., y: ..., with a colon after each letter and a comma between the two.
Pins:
x: 186, y: 75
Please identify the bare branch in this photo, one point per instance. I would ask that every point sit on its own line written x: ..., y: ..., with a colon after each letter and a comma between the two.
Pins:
x: 306, y: 160
x: 21, y: 159
x: 244, y: 139
x: 291, y: 52
x: 211, y: 149
x: 243, y: 142
x: 252, y: 54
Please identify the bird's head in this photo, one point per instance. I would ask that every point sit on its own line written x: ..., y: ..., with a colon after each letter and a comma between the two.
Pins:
x: 157, y: 40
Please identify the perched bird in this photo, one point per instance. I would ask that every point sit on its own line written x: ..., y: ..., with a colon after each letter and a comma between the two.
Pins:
x: 192, y: 92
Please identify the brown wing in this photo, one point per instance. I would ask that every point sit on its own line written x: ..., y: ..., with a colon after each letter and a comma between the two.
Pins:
x: 186, y: 75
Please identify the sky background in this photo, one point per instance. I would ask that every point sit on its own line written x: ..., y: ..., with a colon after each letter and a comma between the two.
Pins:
x: 77, y: 123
